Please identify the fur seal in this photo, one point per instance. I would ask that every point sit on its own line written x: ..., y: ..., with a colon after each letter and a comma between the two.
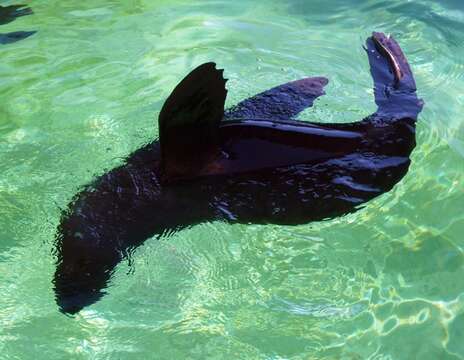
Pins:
x: 250, y: 164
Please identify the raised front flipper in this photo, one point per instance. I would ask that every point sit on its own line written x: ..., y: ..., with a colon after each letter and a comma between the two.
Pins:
x: 394, y: 85
x: 280, y: 103
x: 189, y: 122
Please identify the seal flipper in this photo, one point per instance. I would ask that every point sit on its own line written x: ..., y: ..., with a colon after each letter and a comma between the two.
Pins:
x: 11, y: 12
x: 282, y: 102
x: 394, y: 85
x: 189, y: 122
x: 12, y: 37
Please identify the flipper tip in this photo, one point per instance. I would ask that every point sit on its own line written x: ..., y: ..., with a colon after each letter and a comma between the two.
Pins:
x: 384, y: 45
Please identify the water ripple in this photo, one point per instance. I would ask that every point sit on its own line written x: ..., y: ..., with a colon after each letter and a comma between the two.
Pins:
x: 84, y: 92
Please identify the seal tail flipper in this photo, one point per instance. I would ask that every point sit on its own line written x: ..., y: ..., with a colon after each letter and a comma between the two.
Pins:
x: 282, y: 102
x: 189, y: 121
x: 394, y: 85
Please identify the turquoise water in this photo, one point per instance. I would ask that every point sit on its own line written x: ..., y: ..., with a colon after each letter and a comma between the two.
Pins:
x: 77, y: 97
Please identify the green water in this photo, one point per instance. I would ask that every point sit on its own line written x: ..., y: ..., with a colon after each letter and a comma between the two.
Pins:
x: 77, y: 97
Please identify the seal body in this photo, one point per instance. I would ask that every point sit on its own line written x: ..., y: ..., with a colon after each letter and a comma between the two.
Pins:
x: 250, y: 164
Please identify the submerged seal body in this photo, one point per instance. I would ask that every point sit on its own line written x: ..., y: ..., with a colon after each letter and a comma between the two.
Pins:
x: 250, y: 164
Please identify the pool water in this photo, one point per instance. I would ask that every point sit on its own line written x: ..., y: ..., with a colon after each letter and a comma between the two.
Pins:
x: 77, y: 97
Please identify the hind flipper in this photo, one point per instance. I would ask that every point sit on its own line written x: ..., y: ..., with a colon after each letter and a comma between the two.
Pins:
x: 280, y: 103
x: 394, y: 85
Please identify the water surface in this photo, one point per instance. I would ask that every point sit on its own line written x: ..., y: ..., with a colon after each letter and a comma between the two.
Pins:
x: 80, y: 95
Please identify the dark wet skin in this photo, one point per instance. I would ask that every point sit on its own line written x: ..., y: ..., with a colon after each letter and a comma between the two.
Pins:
x: 10, y: 13
x: 264, y: 168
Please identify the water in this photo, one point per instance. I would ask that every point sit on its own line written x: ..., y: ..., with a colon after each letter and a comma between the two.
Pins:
x: 81, y: 94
